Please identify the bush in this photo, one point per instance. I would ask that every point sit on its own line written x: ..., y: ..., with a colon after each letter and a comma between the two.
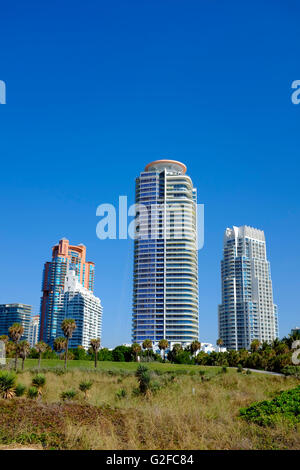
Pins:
x: 286, y: 405
x: 239, y: 368
x: 122, y: 354
x: 248, y: 372
x: 68, y: 395
x: 224, y: 370
x: 105, y: 355
x: 292, y: 370
x: 20, y: 390
x: 183, y: 357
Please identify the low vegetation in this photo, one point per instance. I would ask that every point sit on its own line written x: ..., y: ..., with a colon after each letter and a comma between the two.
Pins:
x: 128, y: 408
x: 284, y: 407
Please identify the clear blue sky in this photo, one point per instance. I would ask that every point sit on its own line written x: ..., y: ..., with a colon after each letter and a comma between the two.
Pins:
x: 96, y: 90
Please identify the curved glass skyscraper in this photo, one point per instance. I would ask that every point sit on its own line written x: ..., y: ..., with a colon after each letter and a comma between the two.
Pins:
x: 165, y: 291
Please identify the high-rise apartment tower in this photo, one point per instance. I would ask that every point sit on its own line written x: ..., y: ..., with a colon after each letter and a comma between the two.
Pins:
x: 165, y: 287
x: 64, y: 257
x: 247, y: 311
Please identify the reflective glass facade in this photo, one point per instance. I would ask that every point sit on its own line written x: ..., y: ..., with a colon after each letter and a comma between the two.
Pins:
x: 165, y: 290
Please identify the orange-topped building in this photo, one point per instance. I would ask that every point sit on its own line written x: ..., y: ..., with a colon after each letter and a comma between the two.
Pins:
x: 64, y: 257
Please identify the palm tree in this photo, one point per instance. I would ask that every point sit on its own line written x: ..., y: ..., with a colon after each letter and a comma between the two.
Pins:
x: 95, y: 345
x: 4, y: 338
x: 220, y: 343
x: 147, y: 344
x: 163, y: 345
x: 254, y: 346
x: 59, y: 344
x: 15, y: 332
x: 68, y: 326
x: 136, y: 349
x: 195, y: 346
x: 23, y: 350
x: 41, y: 347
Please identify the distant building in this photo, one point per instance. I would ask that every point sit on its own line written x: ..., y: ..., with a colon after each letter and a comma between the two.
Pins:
x: 295, y: 330
x: 64, y: 257
x: 15, y: 313
x: 33, y: 335
x: 247, y: 311
x: 84, y: 307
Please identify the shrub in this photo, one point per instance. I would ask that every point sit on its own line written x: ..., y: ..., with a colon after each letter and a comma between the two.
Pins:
x: 68, y: 395
x: 292, y: 370
x: 239, y: 368
x: 248, y: 372
x: 32, y: 392
x: 20, y: 390
x: 285, y: 405
x: 224, y: 370
x: 122, y: 353
x: 105, y: 355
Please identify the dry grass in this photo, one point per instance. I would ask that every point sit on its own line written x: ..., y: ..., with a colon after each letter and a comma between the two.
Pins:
x: 185, y: 414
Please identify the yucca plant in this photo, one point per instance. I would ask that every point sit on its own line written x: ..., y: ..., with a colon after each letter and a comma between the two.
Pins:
x: 68, y: 395
x: 143, y: 376
x: 39, y: 382
x: 7, y: 384
x: 32, y: 392
x: 85, y: 386
x: 20, y: 390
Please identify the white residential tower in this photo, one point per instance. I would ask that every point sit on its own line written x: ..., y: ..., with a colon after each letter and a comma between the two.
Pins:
x: 247, y: 311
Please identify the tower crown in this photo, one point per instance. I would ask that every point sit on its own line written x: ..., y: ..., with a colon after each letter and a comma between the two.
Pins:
x: 169, y: 165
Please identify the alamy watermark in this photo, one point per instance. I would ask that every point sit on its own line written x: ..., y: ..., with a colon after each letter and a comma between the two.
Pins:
x: 2, y: 92
x: 178, y: 221
x: 296, y: 353
x: 295, y: 97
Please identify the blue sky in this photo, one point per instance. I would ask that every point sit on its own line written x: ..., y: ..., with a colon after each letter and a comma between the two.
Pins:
x: 96, y: 90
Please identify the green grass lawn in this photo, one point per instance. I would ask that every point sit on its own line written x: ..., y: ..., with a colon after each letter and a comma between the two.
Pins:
x: 109, y: 365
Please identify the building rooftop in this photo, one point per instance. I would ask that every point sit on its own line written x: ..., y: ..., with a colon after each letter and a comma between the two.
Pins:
x: 171, y: 165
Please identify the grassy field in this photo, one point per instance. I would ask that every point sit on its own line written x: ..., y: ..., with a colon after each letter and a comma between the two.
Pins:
x: 110, y: 365
x: 187, y: 412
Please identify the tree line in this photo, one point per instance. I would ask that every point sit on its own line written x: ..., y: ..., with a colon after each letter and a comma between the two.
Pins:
x: 273, y: 356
